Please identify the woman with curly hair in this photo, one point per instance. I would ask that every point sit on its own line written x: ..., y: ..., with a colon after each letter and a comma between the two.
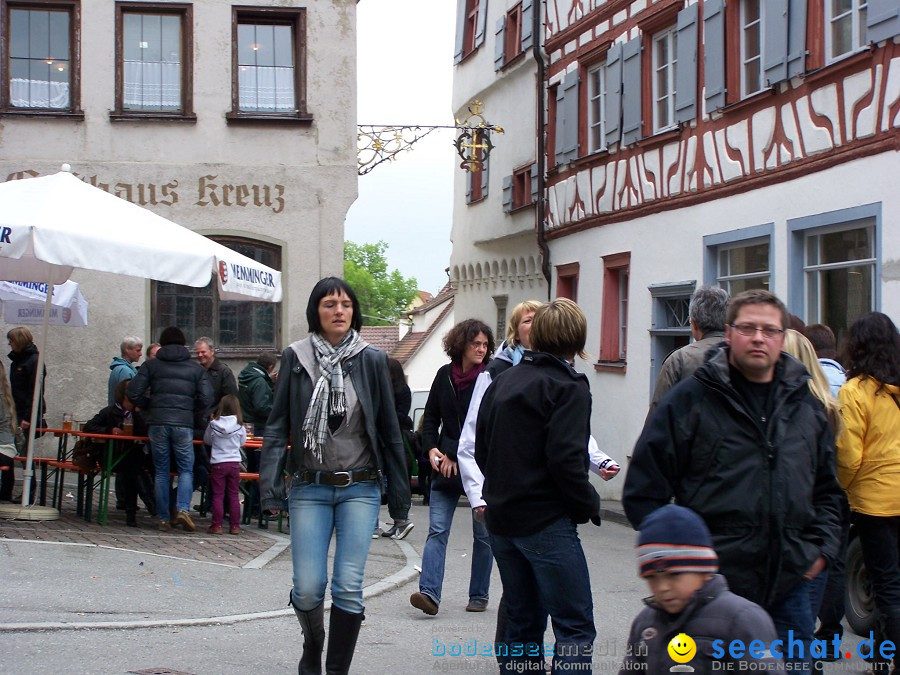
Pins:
x: 469, y: 344
x: 868, y: 458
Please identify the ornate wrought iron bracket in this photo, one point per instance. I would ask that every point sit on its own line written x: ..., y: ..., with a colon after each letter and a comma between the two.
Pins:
x: 381, y: 143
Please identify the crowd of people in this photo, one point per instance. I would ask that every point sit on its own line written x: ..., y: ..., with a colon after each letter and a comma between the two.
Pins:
x: 760, y: 450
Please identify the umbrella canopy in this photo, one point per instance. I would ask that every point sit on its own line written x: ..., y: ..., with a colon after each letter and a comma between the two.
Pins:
x: 52, y: 224
x: 24, y: 303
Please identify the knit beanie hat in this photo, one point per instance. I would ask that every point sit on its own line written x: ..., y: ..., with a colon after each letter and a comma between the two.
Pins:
x: 675, y: 539
x: 172, y: 336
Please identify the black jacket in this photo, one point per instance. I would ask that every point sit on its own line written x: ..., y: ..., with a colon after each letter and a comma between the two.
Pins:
x: 368, y: 370
x: 221, y: 379
x: 769, y: 497
x: 713, y: 613
x: 255, y: 392
x: 445, y: 412
x: 21, y: 381
x: 530, y: 439
x: 171, y: 388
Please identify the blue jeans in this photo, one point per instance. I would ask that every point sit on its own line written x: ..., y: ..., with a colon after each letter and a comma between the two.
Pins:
x: 317, y: 511
x: 794, y: 617
x: 179, y: 440
x: 440, y: 518
x: 543, y: 573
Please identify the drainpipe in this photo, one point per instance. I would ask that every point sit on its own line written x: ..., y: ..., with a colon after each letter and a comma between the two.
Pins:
x: 537, y: 47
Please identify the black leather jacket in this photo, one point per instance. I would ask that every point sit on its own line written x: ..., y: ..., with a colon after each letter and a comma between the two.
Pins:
x: 368, y: 371
x: 769, y: 496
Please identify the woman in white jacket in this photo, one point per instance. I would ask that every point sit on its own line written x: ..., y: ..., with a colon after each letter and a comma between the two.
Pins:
x: 226, y: 435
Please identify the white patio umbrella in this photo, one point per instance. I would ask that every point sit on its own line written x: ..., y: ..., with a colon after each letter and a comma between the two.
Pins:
x: 52, y: 224
x: 23, y: 303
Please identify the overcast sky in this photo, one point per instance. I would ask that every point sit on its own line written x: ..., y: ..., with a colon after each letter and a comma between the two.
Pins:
x: 405, y: 77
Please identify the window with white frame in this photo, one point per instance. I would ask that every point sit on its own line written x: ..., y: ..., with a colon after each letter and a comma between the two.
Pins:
x: 743, y: 266
x: 845, y: 27
x: 664, y: 59
x: 751, y: 46
x: 839, y: 270
x: 596, y: 102
x: 40, y: 65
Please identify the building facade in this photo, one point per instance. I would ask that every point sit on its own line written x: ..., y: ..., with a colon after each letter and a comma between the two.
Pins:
x: 750, y: 144
x: 235, y: 120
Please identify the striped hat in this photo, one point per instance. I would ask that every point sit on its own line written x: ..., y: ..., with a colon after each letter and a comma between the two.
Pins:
x: 675, y: 539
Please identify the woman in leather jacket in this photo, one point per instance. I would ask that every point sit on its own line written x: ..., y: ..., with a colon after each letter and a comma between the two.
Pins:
x: 334, y: 404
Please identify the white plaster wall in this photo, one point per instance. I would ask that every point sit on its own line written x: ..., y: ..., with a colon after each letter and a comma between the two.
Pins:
x: 668, y: 247
x: 315, y: 167
x: 420, y: 369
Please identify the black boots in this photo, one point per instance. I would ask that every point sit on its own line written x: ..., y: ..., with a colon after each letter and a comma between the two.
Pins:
x: 313, y: 625
x: 131, y: 518
x: 343, y: 629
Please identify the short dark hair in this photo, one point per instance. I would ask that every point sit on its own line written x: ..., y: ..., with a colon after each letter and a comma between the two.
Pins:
x: 708, y: 307
x: 559, y: 328
x: 822, y: 339
x: 267, y: 360
x: 324, y: 288
x: 756, y: 296
x: 462, y: 334
x: 172, y: 336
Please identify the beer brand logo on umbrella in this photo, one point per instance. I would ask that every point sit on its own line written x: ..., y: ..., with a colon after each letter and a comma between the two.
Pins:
x: 223, y: 271
x: 67, y: 314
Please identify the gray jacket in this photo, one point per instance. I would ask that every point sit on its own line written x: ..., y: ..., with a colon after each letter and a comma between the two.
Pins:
x: 368, y: 371
x: 713, y: 618
x: 681, y: 364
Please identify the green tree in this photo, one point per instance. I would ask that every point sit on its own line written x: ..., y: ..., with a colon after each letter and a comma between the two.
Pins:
x: 383, y: 295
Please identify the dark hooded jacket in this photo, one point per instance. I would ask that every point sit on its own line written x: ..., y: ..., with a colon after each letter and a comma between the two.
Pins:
x: 713, y: 613
x: 21, y: 381
x: 769, y: 495
x: 255, y: 392
x: 179, y: 387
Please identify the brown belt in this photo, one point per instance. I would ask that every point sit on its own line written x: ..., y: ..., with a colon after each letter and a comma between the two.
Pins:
x: 338, y: 478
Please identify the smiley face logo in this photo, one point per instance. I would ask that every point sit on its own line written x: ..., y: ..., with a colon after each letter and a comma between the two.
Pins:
x: 682, y: 648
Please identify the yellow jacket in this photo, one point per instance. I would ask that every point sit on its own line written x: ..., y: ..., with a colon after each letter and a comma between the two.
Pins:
x: 868, y: 449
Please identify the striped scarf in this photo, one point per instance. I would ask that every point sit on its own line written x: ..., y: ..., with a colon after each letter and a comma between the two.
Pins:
x: 328, y: 395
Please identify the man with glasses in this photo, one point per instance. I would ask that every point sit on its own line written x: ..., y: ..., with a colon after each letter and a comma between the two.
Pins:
x: 745, y: 444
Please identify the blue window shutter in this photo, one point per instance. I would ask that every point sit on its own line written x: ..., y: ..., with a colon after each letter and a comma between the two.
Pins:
x: 775, y: 40
x: 882, y: 20
x: 686, y: 67
x: 714, y: 54
x: 570, y: 126
x: 613, y: 94
x: 560, y: 122
x: 631, y: 91
x: 534, y: 183
x: 481, y: 24
x: 460, y: 30
x: 507, y: 193
x: 796, y: 53
x: 527, y: 20
x: 499, y: 42
x: 485, y: 172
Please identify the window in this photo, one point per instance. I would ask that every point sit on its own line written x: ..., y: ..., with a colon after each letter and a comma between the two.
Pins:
x: 596, y: 103
x: 664, y: 62
x: 567, y: 281
x: 751, y: 46
x: 840, y: 275
x: 513, y: 34
x: 671, y: 323
x: 522, y: 188
x: 238, y: 328
x: 41, y: 74
x: 471, y: 26
x: 614, y: 316
x: 153, y: 59
x: 269, y: 64
x: 500, y: 301
x: 743, y: 266
x: 845, y: 27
